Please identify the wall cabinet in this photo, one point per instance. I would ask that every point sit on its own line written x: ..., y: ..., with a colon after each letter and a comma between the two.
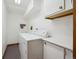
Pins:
x: 53, y: 6
x: 68, y: 4
x: 57, y: 7
x: 53, y: 52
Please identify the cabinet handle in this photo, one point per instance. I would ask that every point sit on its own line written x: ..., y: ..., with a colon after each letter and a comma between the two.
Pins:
x: 45, y: 43
x: 60, y: 7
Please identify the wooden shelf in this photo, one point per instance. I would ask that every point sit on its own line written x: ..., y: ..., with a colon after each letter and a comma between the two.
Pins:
x: 61, y: 14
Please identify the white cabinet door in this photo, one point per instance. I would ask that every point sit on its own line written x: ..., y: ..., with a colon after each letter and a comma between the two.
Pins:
x: 69, y: 54
x: 68, y: 4
x: 53, y: 6
x: 35, y: 49
x: 53, y: 52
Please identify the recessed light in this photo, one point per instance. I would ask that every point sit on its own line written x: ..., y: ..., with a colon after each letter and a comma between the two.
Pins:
x: 17, y: 1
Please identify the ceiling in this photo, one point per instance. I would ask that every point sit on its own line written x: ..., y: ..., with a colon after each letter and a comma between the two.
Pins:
x: 28, y: 8
x: 17, y: 8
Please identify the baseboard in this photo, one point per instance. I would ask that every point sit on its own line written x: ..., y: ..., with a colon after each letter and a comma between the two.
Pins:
x: 7, y: 47
x: 12, y: 44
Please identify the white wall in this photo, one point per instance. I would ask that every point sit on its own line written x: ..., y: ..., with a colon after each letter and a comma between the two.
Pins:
x: 60, y: 29
x: 4, y: 27
x: 14, y: 21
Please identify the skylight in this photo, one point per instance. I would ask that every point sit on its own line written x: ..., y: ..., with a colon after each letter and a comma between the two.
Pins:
x: 17, y: 1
